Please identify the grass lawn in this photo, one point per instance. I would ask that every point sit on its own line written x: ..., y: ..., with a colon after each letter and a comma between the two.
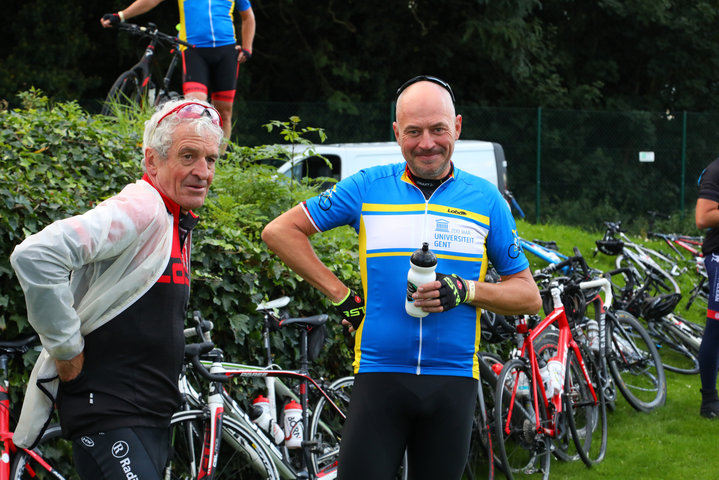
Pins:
x: 673, y: 442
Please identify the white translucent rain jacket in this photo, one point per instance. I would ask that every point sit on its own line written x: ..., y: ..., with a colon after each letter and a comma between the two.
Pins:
x: 79, y: 273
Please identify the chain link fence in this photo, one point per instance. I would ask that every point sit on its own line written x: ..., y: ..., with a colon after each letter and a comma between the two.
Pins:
x: 567, y: 166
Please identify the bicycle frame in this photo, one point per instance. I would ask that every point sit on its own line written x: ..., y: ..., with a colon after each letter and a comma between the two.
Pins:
x: 9, y: 448
x: 690, y: 244
x: 546, y: 254
x: 220, y: 402
x: 142, y: 69
x: 553, y: 405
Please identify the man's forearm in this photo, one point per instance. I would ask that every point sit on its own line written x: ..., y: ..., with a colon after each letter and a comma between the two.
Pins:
x: 288, y: 237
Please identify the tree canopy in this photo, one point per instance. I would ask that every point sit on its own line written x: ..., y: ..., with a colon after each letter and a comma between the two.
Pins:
x: 656, y: 55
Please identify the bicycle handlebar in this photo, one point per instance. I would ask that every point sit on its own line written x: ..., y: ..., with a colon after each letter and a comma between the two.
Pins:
x: 577, y: 258
x: 193, y: 352
x: 614, y: 227
x: 151, y: 30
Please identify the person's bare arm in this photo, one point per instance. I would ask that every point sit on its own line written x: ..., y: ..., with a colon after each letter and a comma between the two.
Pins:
x: 248, y: 32
x: 138, y: 7
x: 707, y: 213
x: 516, y: 294
x: 288, y: 236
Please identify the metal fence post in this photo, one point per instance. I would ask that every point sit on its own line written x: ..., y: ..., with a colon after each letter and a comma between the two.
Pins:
x: 539, y: 158
x: 684, y: 163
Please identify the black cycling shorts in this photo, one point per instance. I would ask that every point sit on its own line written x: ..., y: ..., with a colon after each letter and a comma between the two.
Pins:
x: 122, y: 454
x: 212, y: 69
x: 428, y: 415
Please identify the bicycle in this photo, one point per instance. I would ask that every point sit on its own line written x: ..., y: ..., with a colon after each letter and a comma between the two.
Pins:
x: 690, y: 244
x: 321, y: 425
x: 537, y: 406
x: 547, y: 251
x: 633, y: 255
x: 626, y: 355
x: 677, y: 339
x: 136, y: 86
x: 28, y: 463
x: 680, y: 245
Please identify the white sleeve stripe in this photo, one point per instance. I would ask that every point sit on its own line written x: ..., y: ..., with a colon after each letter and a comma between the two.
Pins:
x: 309, y: 217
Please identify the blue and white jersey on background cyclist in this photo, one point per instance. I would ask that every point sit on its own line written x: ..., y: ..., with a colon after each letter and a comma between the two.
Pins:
x: 466, y: 222
x: 210, y: 21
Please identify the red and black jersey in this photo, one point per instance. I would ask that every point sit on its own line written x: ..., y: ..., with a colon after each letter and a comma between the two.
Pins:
x: 132, y: 363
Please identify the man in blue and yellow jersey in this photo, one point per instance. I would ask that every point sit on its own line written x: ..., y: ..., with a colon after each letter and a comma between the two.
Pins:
x: 211, y: 67
x: 415, y: 378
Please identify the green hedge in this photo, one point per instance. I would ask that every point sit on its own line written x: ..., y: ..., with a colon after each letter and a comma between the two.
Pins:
x: 58, y: 160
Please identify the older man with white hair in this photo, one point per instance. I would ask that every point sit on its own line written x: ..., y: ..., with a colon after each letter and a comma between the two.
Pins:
x: 107, y: 292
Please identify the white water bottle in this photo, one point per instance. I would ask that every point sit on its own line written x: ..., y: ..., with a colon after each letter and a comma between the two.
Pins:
x: 260, y: 415
x: 593, y: 334
x: 555, y: 372
x: 522, y: 385
x: 293, y: 425
x: 421, y: 270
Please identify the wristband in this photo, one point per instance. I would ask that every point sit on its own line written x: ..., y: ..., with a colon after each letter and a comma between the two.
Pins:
x: 121, y: 15
x: 471, y: 285
x: 247, y: 53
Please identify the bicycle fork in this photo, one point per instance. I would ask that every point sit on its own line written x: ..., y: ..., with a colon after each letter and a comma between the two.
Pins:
x: 213, y: 431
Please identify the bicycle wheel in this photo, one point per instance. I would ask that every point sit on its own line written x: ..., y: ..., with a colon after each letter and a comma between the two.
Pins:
x: 668, y: 336
x: 54, y: 451
x: 326, y: 429
x: 481, y: 447
x: 326, y: 425
x: 635, y: 363
x: 126, y: 91
x: 521, y: 448
x: 586, y: 414
x: 243, y: 456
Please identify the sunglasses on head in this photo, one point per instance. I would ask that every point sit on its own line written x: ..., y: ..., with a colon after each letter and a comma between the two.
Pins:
x: 193, y: 110
x: 424, y: 78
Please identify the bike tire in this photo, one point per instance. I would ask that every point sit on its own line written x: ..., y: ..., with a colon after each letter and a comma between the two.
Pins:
x: 677, y: 356
x: 126, y: 91
x: 635, y: 363
x: 632, y: 261
x: 54, y: 450
x: 481, y: 446
x: 242, y: 456
x: 586, y: 414
x: 326, y: 429
x: 522, y: 450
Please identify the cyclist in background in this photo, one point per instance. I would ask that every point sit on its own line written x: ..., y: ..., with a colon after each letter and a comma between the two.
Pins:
x: 211, y: 68
x: 707, y: 216
x: 415, y: 378
x: 107, y: 293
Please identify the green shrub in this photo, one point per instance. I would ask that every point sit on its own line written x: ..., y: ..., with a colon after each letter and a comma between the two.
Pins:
x: 58, y: 161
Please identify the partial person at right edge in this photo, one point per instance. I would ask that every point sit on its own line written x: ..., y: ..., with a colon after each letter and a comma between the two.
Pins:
x: 707, y: 217
x: 212, y: 67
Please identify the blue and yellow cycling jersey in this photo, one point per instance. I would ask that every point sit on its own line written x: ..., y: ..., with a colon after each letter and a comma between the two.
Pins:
x: 209, y: 23
x: 466, y: 222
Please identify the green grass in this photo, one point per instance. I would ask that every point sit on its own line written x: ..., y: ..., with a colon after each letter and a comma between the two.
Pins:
x: 673, y: 442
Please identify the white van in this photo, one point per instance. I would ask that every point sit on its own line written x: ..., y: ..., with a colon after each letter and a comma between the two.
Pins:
x: 484, y: 159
